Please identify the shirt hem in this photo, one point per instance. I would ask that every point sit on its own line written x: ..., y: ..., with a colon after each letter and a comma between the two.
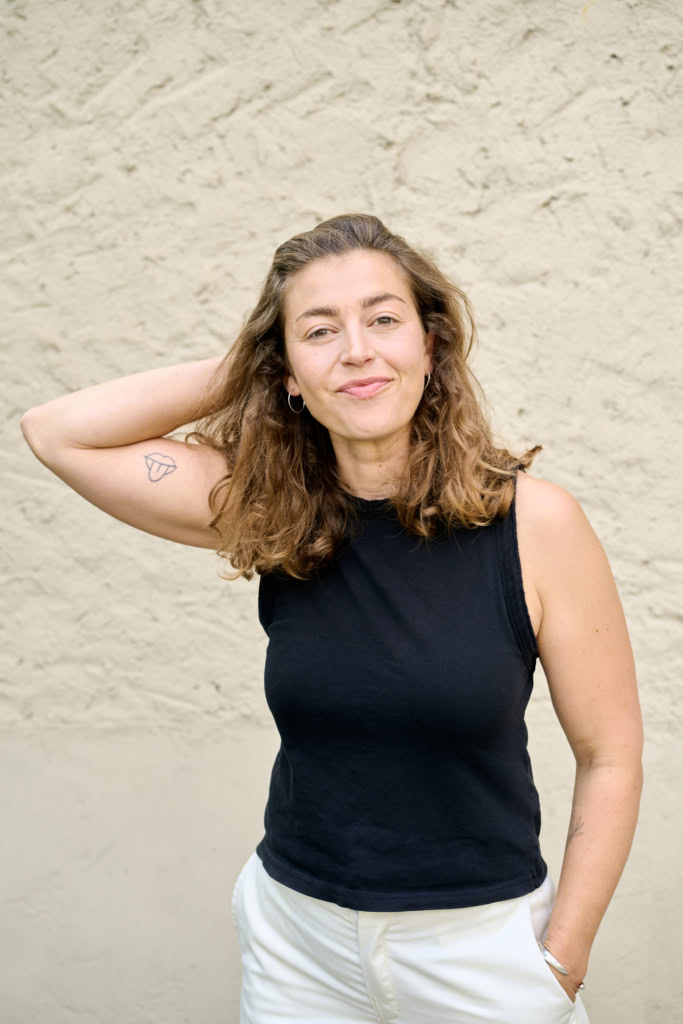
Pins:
x: 360, y: 899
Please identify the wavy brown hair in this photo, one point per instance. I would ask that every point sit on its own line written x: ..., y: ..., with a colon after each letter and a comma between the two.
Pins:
x: 281, y: 504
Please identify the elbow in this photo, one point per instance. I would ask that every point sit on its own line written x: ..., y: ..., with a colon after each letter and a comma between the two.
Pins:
x: 631, y: 766
x: 26, y: 424
x: 34, y: 431
x: 28, y: 427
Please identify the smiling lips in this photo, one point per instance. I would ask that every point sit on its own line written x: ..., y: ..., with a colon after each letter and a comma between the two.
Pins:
x: 365, y: 390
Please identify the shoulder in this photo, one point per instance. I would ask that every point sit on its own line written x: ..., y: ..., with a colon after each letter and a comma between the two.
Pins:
x: 546, y: 506
x: 583, y: 640
x: 549, y: 522
x: 556, y: 540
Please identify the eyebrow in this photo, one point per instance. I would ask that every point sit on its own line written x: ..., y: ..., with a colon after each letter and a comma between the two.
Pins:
x: 370, y: 300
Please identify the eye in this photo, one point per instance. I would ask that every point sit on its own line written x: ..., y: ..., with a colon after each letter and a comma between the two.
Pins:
x: 384, y: 316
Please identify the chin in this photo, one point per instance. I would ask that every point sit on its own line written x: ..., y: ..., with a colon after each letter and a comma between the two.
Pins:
x: 377, y: 430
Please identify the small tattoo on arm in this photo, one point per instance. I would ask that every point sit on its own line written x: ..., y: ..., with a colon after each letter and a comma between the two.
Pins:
x: 575, y: 829
x: 159, y: 466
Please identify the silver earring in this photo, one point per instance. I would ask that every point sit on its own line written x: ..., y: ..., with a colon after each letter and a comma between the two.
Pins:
x: 429, y: 377
x: 289, y: 403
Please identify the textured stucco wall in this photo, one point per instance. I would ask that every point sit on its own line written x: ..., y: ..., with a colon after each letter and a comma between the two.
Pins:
x: 153, y: 155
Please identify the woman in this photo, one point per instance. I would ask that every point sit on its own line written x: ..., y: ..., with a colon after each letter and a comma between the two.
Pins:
x: 411, y: 573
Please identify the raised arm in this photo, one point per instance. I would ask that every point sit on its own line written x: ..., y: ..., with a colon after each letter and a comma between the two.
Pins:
x: 107, y: 443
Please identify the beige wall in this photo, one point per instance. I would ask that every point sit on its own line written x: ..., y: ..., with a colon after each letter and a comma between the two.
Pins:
x: 153, y: 155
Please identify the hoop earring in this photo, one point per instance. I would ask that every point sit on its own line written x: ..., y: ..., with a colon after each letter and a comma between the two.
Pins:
x: 429, y: 377
x: 289, y: 403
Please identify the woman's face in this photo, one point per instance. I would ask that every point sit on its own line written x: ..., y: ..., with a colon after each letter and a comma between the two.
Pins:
x: 349, y: 318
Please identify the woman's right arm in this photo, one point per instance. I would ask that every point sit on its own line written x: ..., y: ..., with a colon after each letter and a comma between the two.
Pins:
x: 107, y: 443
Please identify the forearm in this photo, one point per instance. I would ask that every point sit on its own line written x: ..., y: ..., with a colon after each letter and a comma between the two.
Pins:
x: 125, y: 410
x: 602, y: 824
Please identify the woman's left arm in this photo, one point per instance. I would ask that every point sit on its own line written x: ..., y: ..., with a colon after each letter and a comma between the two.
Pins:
x: 586, y: 654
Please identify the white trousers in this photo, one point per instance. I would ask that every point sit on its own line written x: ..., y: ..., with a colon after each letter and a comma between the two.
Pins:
x: 307, y: 960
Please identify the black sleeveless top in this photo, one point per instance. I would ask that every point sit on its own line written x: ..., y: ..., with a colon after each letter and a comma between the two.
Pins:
x: 398, y: 678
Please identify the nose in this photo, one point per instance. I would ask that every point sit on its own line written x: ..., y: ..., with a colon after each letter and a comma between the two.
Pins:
x: 358, y: 345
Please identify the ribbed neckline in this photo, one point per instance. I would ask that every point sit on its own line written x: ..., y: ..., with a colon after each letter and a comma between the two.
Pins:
x: 372, y: 508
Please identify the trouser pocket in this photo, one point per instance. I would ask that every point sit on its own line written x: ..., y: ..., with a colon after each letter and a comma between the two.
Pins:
x: 539, y: 904
x: 236, y: 893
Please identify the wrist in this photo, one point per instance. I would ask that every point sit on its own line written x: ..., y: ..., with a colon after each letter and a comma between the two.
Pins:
x: 570, y: 968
